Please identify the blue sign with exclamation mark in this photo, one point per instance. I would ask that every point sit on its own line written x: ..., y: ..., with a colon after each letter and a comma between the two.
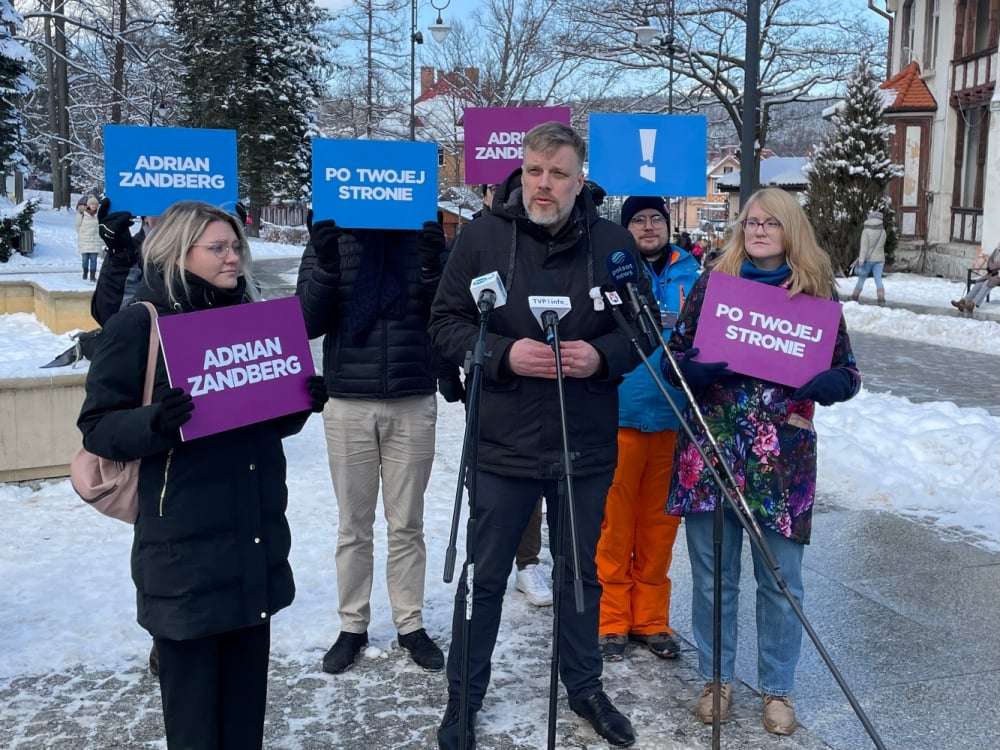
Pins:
x: 649, y: 154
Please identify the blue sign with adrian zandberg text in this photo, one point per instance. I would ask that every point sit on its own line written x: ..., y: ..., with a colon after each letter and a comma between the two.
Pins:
x: 148, y: 169
x: 649, y: 154
x: 374, y: 184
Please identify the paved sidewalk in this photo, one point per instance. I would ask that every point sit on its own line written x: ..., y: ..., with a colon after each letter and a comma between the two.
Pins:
x: 907, y: 612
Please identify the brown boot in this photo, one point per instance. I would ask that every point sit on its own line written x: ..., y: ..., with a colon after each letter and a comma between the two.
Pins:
x: 856, y: 294
x: 881, y: 297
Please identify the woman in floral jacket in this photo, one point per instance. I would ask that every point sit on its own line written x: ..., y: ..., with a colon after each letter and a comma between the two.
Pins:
x: 766, y: 432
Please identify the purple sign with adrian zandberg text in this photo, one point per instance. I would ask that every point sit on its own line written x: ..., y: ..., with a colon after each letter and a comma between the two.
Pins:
x: 241, y: 364
x: 761, y: 332
x: 493, y: 138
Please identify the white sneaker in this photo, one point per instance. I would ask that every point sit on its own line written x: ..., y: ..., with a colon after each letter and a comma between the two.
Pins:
x: 531, y: 581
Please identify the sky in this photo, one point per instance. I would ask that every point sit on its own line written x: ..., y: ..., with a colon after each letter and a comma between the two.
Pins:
x: 877, y: 451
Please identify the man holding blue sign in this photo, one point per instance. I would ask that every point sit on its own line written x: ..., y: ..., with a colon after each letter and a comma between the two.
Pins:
x: 368, y: 293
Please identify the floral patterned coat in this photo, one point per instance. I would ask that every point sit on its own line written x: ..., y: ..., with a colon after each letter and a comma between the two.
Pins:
x: 766, y: 435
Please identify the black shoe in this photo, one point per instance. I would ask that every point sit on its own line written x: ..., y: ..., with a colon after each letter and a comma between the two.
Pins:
x: 423, y: 650
x: 154, y: 661
x: 448, y: 736
x: 606, y: 720
x: 344, y: 651
x: 661, y: 644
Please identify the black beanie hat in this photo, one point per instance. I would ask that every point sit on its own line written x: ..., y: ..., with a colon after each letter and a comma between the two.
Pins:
x: 637, y: 203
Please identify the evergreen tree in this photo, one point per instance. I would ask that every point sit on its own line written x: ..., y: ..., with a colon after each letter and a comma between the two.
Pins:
x: 849, y: 172
x: 253, y: 66
x: 14, y: 83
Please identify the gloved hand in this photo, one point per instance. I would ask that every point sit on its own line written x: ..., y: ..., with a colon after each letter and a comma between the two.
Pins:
x: 827, y: 387
x: 430, y: 247
x: 316, y: 385
x: 325, y: 238
x: 114, y: 229
x: 451, y: 387
x: 173, y: 411
x: 699, y: 375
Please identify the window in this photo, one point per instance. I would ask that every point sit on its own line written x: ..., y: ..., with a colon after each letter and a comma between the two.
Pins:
x: 931, y: 34
x: 727, y: 170
x: 908, y: 34
x: 440, y: 157
x: 971, y: 122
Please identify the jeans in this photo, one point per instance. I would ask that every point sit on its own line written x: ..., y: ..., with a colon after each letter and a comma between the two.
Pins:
x: 89, y: 262
x: 869, y: 267
x: 779, y: 630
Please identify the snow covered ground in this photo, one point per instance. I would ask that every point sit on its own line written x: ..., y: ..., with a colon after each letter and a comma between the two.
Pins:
x: 68, y: 599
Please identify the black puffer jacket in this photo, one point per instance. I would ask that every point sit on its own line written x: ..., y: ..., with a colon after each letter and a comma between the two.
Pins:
x: 395, y: 359
x: 520, y: 430
x: 211, y: 544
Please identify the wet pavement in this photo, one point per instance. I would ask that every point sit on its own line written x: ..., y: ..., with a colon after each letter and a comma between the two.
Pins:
x: 907, y: 612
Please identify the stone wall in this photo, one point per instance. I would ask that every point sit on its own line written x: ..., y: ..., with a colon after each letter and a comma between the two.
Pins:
x: 59, y: 310
x: 948, y: 260
x: 38, y: 432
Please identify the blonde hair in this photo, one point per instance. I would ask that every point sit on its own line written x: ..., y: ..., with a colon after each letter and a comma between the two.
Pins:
x: 812, y: 270
x: 166, y: 247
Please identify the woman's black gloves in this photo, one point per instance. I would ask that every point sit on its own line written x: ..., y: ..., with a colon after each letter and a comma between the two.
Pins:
x: 171, y: 412
x: 828, y: 387
x: 699, y: 375
x: 316, y: 385
x: 114, y: 229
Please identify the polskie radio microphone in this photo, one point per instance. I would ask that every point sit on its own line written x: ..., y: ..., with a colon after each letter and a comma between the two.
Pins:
x: 624, y: 274
x: 488, y: 291
x: 548, y: 311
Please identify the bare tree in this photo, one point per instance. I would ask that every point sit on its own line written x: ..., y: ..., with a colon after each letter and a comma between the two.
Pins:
x: 104, y: 61
x: 804, y: 51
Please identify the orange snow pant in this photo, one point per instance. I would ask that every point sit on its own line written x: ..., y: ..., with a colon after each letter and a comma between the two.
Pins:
x: 637, y: 537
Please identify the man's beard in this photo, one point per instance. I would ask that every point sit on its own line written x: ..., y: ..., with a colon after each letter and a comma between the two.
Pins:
x: 547, y: 219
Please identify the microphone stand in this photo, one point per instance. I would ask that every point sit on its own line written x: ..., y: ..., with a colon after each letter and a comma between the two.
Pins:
x: 737, y: 500
x: 467, y: 475
x: 567, y: 508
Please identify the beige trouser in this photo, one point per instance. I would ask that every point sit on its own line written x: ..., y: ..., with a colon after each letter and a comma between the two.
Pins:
x: 395, y: 439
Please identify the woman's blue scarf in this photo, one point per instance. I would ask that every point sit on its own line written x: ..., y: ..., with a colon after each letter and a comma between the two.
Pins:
x: 749, y: 271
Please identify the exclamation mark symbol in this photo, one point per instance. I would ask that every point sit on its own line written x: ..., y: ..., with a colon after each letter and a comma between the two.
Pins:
x: 647, y: 142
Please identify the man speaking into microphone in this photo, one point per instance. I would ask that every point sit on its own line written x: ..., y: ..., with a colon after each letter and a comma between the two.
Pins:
x: 543, y: 237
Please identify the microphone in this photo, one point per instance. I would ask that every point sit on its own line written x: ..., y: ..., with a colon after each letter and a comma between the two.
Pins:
x: 548, y: 311
x: 625, y: 275
x: 488, y: 292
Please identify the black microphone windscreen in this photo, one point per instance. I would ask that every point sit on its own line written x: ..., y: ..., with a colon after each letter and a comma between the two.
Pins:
x: 622, y: 269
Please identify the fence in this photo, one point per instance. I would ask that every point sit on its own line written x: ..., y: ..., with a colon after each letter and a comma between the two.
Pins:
x: 285, y: 216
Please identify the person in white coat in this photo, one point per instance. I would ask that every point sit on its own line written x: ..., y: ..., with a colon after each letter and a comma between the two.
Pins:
x: 88, y: 241
x: 871, y: 257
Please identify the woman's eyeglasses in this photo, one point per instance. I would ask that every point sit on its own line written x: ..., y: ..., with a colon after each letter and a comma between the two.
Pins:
x: 221, y: 249
x: 771, y: 225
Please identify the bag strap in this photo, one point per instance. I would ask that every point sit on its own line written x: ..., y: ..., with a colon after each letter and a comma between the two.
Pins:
x: 154, y: 349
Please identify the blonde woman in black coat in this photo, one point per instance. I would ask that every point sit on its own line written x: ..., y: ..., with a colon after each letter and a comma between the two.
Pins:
x: 210, y: 556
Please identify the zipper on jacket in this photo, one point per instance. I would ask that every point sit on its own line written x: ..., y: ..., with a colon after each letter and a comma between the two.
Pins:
x: 166, y: 471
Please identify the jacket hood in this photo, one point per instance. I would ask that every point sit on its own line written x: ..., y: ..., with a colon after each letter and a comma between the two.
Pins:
x: 507, y: 204
x: 199, y: 295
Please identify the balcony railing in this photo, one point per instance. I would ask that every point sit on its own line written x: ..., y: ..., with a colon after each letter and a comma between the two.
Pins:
x: 966, y: 225
x: 973, y: 77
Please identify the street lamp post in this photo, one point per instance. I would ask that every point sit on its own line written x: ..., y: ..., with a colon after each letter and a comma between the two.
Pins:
x: 647, y: 36
x: 439, y: 31
x: 157, y: 106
